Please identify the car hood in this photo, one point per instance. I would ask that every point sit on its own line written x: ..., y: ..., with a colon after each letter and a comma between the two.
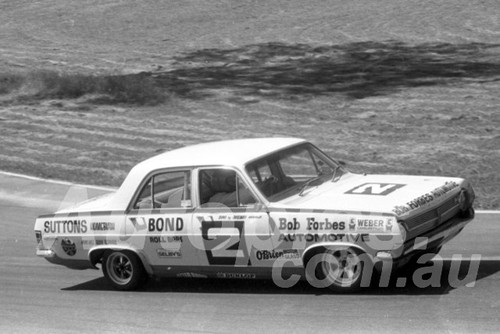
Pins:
x: 392, y: 194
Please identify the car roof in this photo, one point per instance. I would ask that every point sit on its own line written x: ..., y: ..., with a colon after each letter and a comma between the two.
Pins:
x: 235, y: 153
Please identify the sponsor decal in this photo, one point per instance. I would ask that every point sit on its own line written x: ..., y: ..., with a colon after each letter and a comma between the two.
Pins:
x: 191, y: 275
x: 312, y: 224
x: 286, y: 225
x: 229, y: 217
x: 88, y: 242
x: 380, y: 189
x: 165, y: 224
x: 165, y: 239
x: 425, y: 199
x: 224, y: 242
x: 168, y: 253
x: 139, y: 225
x: 68, y: 247
x: 368, y: 224
x: 236, y: 275
x: 98, y: 242
x: 106, y: 242
x: 388, y: 226
x: 354, y: 237
x: 65, y: 226
x: 352, y: 225
x: 102, y: 226
x: 276, y: 254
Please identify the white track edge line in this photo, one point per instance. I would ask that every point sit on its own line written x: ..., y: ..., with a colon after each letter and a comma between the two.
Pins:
x: 469, y: 257
x: 66, y: 183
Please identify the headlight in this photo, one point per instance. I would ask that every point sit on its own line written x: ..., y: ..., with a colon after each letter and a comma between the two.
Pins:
x: 463, y: 203
x: 471, y: 194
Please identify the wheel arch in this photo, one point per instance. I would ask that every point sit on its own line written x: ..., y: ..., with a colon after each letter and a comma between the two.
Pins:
x: 96, y: 254
x: 312, y: 250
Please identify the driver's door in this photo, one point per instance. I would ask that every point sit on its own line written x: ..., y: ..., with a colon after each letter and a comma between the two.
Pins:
x: 233, y: 224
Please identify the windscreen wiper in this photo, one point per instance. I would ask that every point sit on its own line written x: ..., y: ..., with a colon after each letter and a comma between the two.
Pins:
x: 309, y: 182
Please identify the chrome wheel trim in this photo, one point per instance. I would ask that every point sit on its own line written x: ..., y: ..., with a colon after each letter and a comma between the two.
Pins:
x: 346, y: 268
x: 119, y: 267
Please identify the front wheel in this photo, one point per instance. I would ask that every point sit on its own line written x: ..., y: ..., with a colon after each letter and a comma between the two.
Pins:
x: 123, y: 269
x: 341, y: 270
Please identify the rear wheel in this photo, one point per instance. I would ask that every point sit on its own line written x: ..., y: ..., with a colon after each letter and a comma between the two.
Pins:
x: 123, y: 269
x: 339, y: 269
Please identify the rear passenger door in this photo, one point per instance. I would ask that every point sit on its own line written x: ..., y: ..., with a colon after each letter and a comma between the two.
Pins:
x: 161, y: 215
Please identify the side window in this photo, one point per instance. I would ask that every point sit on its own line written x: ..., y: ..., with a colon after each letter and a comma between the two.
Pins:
x: 144, y: 199
x: 220, y: 186
x: 245, y: 196
x: 260, y: 172
x: 166, y: 190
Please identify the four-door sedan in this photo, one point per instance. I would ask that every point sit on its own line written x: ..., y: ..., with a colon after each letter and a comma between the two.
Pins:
x: 275, y: 208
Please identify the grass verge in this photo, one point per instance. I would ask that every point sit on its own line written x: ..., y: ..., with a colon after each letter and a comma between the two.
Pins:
x: 136, y: 89
x: 388, y: 108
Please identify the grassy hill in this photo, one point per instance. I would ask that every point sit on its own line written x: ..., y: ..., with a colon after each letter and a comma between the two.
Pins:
x: 89, y: 88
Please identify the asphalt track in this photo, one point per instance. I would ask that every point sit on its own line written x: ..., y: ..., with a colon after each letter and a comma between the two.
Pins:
x: 36, y: 296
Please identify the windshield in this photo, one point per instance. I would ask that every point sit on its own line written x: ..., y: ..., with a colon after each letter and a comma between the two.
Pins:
x: 290, y: 172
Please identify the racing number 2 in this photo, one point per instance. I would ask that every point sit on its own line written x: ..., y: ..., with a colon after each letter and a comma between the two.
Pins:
x: 222, y: 241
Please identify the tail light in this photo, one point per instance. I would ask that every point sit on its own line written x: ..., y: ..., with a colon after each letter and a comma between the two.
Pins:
x: 38, y: 235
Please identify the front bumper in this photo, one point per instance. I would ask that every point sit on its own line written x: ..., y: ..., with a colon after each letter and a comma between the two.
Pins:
x: 430, y: 240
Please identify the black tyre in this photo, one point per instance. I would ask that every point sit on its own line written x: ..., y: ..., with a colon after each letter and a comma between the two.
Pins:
x: 341, y: 270
x: 123, y: 269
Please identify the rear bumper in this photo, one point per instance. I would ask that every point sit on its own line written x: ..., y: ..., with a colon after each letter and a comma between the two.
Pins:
x: 52, y: 257
x: 46, y: 253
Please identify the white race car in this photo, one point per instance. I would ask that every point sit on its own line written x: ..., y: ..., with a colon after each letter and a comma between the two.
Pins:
x: 275, y: 208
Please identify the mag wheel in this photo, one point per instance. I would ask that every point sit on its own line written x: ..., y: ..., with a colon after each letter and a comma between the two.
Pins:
x: 123, y: 270
x: 341, y: 269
